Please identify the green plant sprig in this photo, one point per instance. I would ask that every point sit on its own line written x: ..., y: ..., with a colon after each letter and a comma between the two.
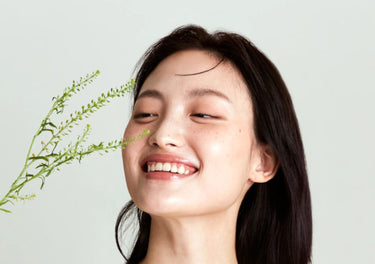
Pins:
x: 49, y: 158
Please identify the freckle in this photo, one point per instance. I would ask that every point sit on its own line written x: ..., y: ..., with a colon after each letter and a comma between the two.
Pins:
x: 240, y: 130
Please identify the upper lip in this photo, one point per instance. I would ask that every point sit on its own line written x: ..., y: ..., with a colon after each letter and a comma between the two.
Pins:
x: 167, y: 158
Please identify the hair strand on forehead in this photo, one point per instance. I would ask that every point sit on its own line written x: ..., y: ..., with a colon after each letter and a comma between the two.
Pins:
x: 196, y: 73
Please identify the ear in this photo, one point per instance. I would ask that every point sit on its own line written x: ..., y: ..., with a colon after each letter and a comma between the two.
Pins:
x: 265, y: 166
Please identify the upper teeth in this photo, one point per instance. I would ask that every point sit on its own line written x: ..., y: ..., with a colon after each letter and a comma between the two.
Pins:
x: 172, y: 167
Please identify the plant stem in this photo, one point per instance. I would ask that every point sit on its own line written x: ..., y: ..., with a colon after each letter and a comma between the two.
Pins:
x: 71, y: 152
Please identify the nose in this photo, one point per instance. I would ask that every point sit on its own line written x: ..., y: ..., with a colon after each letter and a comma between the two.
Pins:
x: 167, y: 134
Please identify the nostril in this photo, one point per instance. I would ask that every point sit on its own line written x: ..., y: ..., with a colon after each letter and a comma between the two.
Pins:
x: 161, y: 137
x: 164, y: 143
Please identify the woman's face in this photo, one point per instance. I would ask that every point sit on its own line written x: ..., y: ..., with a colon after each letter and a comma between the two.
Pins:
x: 201, y: 151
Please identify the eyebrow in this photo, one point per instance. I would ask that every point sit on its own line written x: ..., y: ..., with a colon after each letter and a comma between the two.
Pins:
x: 150, y: 93
x: 206, y: 91
x: 191, y: 94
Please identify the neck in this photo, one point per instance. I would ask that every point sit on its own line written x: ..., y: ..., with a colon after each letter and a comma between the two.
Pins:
x: 194, y: 239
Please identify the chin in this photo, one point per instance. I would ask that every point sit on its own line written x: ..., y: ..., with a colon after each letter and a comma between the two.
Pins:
x: 160, y: 206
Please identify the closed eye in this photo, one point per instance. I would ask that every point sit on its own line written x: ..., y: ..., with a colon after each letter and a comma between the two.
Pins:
x: 201, y: 115
x: 143, y: 115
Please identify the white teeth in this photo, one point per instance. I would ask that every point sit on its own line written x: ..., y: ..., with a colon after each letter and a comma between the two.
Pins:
x: 174, y: 168
x: 166, y: 167
x: 159, y: 166
x: 181, y: 170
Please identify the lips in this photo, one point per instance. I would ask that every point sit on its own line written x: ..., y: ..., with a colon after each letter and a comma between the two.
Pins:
x: 165, y: 166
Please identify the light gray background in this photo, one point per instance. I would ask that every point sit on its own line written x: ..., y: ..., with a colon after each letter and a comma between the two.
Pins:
x: 324, y: 50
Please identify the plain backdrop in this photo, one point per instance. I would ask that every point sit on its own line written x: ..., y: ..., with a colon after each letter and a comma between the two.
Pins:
x: 323, y: 49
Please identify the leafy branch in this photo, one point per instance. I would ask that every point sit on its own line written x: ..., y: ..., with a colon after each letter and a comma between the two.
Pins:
x: 51, y: 155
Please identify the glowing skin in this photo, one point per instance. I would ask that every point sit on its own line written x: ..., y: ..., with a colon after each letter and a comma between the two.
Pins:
x: 204, y: 121
x: 193, y: 169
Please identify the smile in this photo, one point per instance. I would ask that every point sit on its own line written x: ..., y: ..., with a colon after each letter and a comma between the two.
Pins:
x: 163, y: 166
x: 169, y: 167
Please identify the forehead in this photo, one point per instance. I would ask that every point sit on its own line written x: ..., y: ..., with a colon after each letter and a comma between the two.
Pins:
x: 196, y: 69
x: 189, y: 62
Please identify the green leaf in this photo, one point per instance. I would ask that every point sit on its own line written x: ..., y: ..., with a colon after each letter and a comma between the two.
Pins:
x: 51, y: 124
x: 39, y: 166
x: 38, y: 157
x: 52, y: 155
x: 45, y: 129
x: 5, y: 210
x: 43, y: 180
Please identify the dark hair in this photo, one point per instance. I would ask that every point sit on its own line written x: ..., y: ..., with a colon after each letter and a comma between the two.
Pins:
x: 274, y: 223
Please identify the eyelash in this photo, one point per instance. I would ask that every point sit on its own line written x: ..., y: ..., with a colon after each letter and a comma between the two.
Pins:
x: 198, y: 115
x: 143, y: 115
x: 202, y: 115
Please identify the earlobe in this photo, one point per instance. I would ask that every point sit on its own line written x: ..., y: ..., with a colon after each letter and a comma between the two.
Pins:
x: 266, y: 167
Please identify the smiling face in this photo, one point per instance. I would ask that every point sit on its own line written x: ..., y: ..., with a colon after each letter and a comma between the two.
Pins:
x: 201, y: 152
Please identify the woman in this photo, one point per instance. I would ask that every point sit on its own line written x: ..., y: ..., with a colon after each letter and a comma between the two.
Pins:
x: 221, y: 176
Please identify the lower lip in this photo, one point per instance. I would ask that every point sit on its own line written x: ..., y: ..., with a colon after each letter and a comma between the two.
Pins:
x: 166, y: 176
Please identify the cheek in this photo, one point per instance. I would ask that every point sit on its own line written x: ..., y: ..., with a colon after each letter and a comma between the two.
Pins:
x: 233, y: 143
x: 132, y: 146
x: 132, y: 170
x: 130, y: 154
x: 225, y: 157
x: 126, y: 150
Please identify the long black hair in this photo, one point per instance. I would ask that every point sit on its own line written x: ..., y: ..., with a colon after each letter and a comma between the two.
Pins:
x: 274, y: 223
